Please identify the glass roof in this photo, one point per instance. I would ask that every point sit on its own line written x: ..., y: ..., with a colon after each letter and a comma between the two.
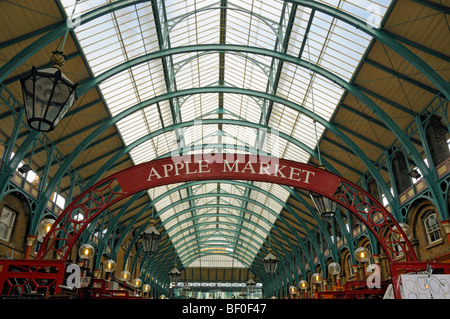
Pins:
x: 134, y: 31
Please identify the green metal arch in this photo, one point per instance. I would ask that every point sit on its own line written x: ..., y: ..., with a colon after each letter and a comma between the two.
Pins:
x: 325, y: 73
x: 189, y: 184
x: 222, y: 231
x: 381, y: 36
x: 60, y: 30
x: 165, y: 256
x: 280, y: 217
x: 230, y: 216
x: 286, y: 58
x: 235, y: 217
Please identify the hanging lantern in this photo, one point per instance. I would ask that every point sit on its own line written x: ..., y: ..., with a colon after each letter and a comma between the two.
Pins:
x: 270, y: 262
x: 325, y: 206
x: 174, y: 275
x: 151, y: 238
x: 251, y: 285
x: 47, y: 94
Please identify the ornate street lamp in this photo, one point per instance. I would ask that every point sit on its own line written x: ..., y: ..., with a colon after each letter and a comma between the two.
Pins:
x: 125, y: 275
x: 137, y: 282
x: 270, y: 262
x: 397, y: 236
x: 292, y: 291
x: 146, y: 288
x: 325, y: 206
x: 251, y: 285
x: 362, y: 255
x: 151, y: 238
x: 316, y: 278
x: 174, y: 275
x: 303, y: 285
x: 109, y: 265
x: 334, y: 268
x: 47, y: 94
x: 86, y: 251
x: 44, y: 227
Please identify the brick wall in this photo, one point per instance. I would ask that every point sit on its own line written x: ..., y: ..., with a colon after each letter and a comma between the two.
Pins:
x: 16, y: 244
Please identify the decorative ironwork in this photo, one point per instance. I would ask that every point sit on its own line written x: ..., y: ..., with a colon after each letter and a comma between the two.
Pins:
x: 92, y: 202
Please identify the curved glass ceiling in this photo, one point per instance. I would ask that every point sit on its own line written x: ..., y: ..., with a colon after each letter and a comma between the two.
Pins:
x: 140, y: 29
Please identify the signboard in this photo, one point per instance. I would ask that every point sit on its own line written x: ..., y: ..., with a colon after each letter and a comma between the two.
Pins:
x: 227, y: 167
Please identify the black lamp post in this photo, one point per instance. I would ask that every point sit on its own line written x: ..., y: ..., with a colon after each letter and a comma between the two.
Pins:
x: 47, y: 94
x: 270, y: 262
x: 251, y: 285
x: 174, y: 275
x: 325, y: 206
x: 151, y: 238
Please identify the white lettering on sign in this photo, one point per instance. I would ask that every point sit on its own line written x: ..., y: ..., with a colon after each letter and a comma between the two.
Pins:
x: 246, y: 167
x: 74, y: 279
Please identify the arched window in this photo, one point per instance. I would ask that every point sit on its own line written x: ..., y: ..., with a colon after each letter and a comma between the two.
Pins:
x: 7, y: 218
x: 432, y: 228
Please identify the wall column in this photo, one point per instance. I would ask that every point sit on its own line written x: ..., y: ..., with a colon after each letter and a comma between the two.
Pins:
x: 29, y: 244
x: 446, y: 225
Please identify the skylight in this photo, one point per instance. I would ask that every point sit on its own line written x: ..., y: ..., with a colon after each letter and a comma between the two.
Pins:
x: 134, y: 31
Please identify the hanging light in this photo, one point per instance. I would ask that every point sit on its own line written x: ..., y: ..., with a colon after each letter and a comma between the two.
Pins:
x: 151, y: 238
x: 270, y: 262
x: 325, y: 206
x: 174, y: 275
x: 47, y: 94
x: 251, y: 285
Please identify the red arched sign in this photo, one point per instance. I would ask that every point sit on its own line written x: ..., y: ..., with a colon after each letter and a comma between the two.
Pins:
x: 226, y: 167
